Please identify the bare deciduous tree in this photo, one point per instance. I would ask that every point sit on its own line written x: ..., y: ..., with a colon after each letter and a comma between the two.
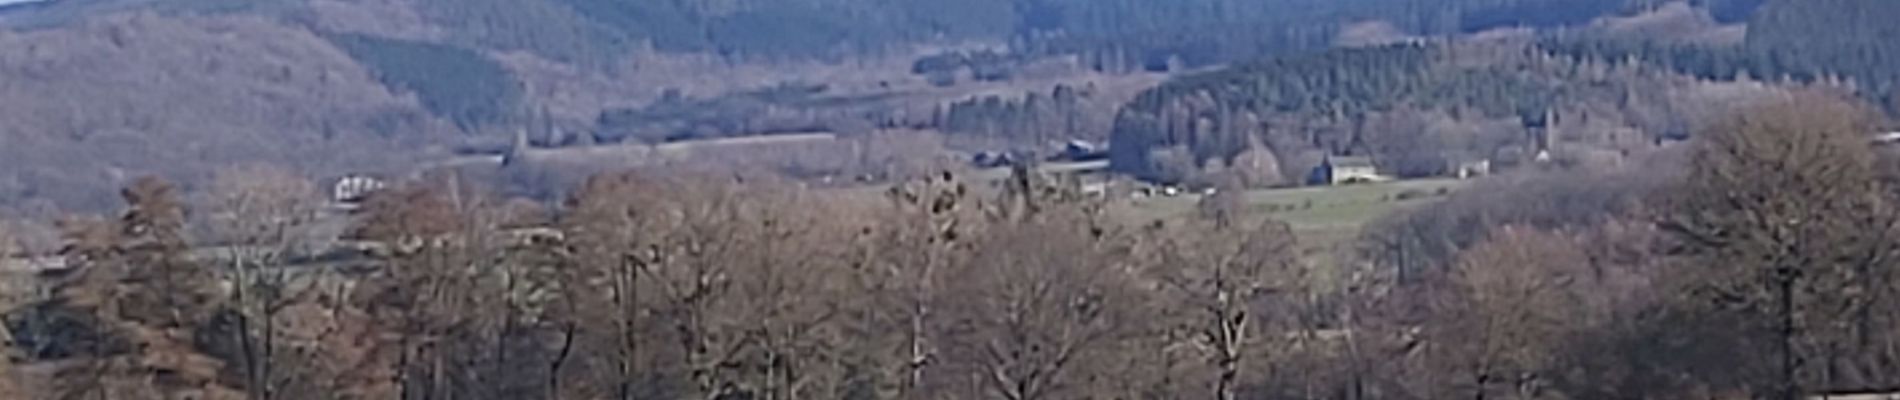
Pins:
x: 1509, y: 301
x: 1034, y: 304
x: 259, y: 214
x: 1785, y: 220
x: 142, y: 303
x: 915, y: 246
x: 1222, y: 272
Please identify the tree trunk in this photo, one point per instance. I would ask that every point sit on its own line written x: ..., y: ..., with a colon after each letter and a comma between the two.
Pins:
x: 1789, y: 387
x: 497, y: 375
x: 438, y: 381
x: 626, y: 300
x: 267, y: 364
x: 914, y: 376
x: 1229, y: 364
x: 560, y: 360
x: 405, y: 381
x: 247, y: 344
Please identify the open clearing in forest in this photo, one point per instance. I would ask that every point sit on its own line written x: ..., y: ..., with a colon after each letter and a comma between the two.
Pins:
x: 1308, y: 209
x: 1326, y: 219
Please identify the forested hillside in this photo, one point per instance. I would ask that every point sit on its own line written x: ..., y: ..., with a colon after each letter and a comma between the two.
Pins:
x: 1131, y: 31
x: 455, y: 83
x: 1065, y: 113
x: 1611, y: 87
x: 1417, y: 110
x: 1845, y: 41
x: 463, y: 61
x: 1127, y: 31
x: 1854, y: 39
x: 1201, y: 32
x: 87, y: 108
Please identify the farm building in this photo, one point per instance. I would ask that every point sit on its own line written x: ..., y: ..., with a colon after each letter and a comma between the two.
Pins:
x: 1887, y: 138
x: 1473, y: 169
x: 33, y: 263
x: 353, y: 189
x: 1346, y: 170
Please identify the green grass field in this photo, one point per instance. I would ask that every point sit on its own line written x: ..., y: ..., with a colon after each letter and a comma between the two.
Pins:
x: 1315, y: 208
x: 1325, y: 219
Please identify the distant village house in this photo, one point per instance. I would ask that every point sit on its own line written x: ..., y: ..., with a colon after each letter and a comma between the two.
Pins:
x: 1887, y: 138
x: 33, y: 264
x: 1473, y: 169
x: 1081, y: 150
x: 1346, y: 170
x: 353, y: 189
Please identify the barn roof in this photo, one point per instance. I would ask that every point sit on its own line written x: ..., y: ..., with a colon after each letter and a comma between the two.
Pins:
x: 1889, y: 137
x: 1350, y: 162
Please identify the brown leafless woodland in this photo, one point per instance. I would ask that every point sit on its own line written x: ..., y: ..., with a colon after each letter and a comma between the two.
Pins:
x: 1762, y: 269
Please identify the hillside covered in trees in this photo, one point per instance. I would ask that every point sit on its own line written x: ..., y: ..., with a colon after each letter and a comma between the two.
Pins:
x: 1597, y: 92
x: 1199, y: 31
x: 457, y: 84
x: 1417, y: 110
x: 87, y: 109
x: 1841, y: 41
x: 487, y: 67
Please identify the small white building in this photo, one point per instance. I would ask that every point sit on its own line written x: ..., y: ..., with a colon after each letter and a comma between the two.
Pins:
x: 1347, y: 170
x: 1474, y: 169
x: 353, y: 189
x: 1887, y: 138
x: 33, y: 264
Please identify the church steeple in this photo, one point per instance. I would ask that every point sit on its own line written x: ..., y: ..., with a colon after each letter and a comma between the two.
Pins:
x: 1546, y: 135
x: 1545, y: 138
